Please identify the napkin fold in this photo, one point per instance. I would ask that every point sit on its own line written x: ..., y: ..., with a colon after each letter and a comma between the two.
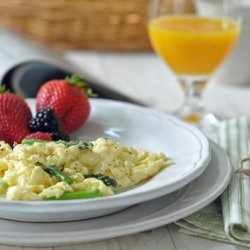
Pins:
x: 229, y: 222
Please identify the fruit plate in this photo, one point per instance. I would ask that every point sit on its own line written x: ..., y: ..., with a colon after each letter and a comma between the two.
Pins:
x: 135, y: 126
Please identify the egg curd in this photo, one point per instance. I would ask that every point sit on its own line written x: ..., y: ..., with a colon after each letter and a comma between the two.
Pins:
x: 41, y: 170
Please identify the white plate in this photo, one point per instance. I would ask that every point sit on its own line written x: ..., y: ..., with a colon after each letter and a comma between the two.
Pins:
x: 135, y: 219
x: 135, y: 126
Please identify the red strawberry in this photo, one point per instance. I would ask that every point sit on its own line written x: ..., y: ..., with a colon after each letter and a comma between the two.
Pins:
x: 39, y: 136
x: 67, y: 99
x: 14, y: 117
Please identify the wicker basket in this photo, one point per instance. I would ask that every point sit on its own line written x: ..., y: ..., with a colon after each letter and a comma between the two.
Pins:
x: 80, y: 24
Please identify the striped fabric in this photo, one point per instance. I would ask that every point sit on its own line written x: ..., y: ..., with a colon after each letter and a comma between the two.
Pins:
x: 234, y: 138
x: 234, y: 226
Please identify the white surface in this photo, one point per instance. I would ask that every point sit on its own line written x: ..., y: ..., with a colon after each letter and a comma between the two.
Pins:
x: 135, y: 219
x: 145, y: 77
x: 119, y: 121
x: 232, y: 70
x: 15, y: 50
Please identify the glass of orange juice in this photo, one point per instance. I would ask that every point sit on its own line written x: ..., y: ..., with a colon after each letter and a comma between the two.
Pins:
x: 193, y: 45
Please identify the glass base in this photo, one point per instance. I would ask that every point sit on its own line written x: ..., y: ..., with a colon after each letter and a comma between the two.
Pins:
x: 207, y: 122
x: 193, y: 110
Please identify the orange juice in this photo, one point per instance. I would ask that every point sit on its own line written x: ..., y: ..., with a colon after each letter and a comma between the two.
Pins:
x: 193, y: 45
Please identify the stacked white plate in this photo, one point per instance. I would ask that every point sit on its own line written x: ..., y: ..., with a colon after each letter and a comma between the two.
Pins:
x: 199, y: 175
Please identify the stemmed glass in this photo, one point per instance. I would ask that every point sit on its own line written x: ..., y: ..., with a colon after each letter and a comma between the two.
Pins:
x: 193, y: 44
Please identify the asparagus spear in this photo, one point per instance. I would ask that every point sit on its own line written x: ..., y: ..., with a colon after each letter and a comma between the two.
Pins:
x: 31, y: 142
x: 4, y: 185
x: 90, y: 193
x: 80, y: 144
x: 54, y: 171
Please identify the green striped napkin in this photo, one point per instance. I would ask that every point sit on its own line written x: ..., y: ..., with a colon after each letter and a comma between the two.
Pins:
x: 231, y: 222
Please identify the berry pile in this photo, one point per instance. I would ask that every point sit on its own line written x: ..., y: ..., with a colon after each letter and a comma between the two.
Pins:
x: 47, y: 121
x: 68, y: 99
x: 62, y: 107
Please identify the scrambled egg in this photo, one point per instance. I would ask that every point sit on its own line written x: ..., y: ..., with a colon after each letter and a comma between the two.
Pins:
x: 23, y: 174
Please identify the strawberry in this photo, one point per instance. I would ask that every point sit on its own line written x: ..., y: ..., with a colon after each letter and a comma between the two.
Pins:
x: 68, y: 99
x: 14, y: 117
x: 39, y: 136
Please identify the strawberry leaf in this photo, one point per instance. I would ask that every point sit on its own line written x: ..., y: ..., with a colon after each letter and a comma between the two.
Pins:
x: 3, y: 89
x: 78, y: 82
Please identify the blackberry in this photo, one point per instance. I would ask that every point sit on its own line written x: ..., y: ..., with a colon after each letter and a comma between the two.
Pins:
x: 59, y: 135
x: 44, y: 121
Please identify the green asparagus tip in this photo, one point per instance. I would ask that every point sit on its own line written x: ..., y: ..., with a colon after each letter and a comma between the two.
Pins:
x: 107, y: 180
x: 54, y: 171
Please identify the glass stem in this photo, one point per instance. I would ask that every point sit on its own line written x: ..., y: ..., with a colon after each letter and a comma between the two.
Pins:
x: 193, y: 107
